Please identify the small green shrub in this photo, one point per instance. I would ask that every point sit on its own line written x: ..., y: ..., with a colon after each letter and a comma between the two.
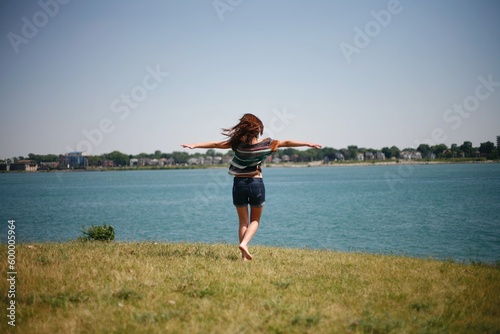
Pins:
x: 99, y: 233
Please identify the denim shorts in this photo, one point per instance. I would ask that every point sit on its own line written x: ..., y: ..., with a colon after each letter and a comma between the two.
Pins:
x: 249, y: 190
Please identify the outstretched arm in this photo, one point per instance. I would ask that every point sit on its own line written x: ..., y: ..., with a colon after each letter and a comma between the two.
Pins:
x: 211, y: 144
x: 293, y: 143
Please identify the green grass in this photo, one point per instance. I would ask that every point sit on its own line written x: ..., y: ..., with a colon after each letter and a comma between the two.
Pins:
x: 97, y: 287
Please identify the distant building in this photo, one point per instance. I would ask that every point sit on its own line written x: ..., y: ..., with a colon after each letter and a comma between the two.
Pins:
x: 49, y: 165
x: 380, y: 155
x: 108, y: 163
x: 405, y: 155
x: 369, y: 156
x: 144, y: 162
x: 166, y: 162
x: 339, y: 156
x: 21, y: 165
x: 416, y: 155
x: 74, y: 160
x: 195, y: 161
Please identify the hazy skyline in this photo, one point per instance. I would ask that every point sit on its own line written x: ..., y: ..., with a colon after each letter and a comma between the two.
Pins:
x: 140, y: 76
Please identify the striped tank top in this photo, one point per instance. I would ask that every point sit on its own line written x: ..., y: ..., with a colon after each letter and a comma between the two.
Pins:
x: 248, y: 157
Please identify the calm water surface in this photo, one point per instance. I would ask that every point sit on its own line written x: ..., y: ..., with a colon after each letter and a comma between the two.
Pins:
x: 440, y: 211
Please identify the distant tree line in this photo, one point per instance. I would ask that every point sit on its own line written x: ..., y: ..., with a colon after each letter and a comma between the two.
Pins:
x: 486, y: 150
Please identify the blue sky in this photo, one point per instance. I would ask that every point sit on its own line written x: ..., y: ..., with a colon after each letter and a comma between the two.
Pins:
x: 140, y: 76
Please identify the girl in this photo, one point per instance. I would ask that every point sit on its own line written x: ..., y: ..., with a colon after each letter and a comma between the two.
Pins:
x: 248, y: 187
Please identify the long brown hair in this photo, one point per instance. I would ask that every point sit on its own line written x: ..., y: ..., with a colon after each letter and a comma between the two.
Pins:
x: 249, y: 127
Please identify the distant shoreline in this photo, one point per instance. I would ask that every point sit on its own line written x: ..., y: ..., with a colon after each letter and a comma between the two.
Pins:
x: 404, y: 162
x: 270, y: 165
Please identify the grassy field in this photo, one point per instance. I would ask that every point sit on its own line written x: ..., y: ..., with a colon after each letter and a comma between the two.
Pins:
x: 97, y: 287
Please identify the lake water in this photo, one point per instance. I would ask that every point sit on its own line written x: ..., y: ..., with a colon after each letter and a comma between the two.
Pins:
x: 439, y: 211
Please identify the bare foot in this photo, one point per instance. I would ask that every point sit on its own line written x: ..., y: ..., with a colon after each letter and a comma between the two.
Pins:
x: 245, y: 252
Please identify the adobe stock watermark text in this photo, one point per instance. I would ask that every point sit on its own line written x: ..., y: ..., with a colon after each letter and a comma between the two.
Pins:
x: 364, y: 36
x: 121, y: 107
x: 11, y: 273
x: 30, y: 26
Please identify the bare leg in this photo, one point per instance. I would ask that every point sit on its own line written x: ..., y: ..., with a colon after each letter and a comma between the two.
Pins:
x: 255, y: 213
x: 243, y: 220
